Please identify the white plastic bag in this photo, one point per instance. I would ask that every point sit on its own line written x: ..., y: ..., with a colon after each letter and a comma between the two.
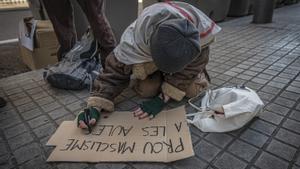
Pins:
x: 226, y: 109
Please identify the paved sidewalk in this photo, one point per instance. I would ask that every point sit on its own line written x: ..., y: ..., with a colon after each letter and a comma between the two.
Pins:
x: 264, y: 57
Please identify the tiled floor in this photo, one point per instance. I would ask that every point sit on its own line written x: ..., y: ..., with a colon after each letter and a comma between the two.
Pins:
x: 264, y: 57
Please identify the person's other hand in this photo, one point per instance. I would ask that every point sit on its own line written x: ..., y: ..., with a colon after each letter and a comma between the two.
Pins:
x: 94, y: 117
x: 149, y: 109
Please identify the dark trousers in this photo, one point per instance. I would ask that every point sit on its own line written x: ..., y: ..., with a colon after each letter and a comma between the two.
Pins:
x: 60, y: 13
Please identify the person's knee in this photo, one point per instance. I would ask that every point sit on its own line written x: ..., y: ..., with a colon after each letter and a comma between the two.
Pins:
x: 150, y: 86
x: 199, y: 85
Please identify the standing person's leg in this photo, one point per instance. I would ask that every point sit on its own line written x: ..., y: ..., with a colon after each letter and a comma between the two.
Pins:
x: 94, y: 10
x: 60, y: 13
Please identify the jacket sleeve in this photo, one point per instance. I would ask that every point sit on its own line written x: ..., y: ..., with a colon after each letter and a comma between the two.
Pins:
x: 110, y: 83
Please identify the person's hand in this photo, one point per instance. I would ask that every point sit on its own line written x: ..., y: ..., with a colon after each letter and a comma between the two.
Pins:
x: 149, y: 109
x: 88, y: 117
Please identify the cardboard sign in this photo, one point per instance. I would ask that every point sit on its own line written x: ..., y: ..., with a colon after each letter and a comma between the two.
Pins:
x: 121, y: 137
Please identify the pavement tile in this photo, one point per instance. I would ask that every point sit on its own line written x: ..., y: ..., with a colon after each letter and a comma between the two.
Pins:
x: 190, y: 163
x: 254, y: 86
x: 292, y: 125
x: 3, y: 148
x: 288, y: 137
x: 271, y: 117
x: 16, y: 130
x: 17, y: 96
x: 259, y: 80
x: 69, y: 117
x: 286, y: 75
x: 51, y: 106
x: 76, y: 106
x: 298, y: 160
x: 265, y: 76
x: 270, y: 72
x: 10, y: 122
x: 20, y: 140
x: 254, y: 137
x: 295, y: 115
x: 39, y: 95
x: 219, y: 139
x: 71, y: 165
x: 35, y: 91
x: 45, y: 130
x: 217, y: 82
x: 206, y: 151
x: 237, y: 81
x: 31, y: 114
x: 282, y: 150
x: 231, y: 73
x: 284, y: 102
x: 276, y: 84
x: 245, y: 77
x: 290, y: 95
x: 243, y: 66
x: 197, y: 131
x: 268, y: 161
x: 55, y: 114
x: 148, y: 165
x: 271, y: 90
x: 265, y: 96
x: 250, y: 73
x: 67, y: 100
x: 81, y: 94
x: 296, y: 84
x: 27, y: 153
x: 281, y: 80
x: 277, y: 109
x: 30, y: 86
x: 27, y: 107
x: 243, y: 150
x: 298, y: 107
x: 213, y: 74
x: 36, y: 163
x: 263, y: 127
x: 227, y: 161
x: 7, y: 114
x: 256, y: 69
x: 224, y: 77
x: 22, y: 101
x: 295, y: 167
x: 194, y: 138
x: 44, y: 100
x: 6, y: 161
x: 110, y: 166
x: 13, y: 91
x: 293, y: 89
x: 38, y: 121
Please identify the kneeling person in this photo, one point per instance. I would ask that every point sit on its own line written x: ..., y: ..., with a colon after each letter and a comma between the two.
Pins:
x: 166, y: 49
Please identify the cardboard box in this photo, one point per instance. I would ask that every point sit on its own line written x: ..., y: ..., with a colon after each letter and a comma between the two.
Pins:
x: 45, y: 35
x: 39, y: 57
x: 38, y: 43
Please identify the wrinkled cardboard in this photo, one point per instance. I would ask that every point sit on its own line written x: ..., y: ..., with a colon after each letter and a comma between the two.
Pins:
x: 120, y: 137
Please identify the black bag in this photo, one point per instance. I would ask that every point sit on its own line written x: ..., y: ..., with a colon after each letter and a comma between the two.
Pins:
x: 79, y: 67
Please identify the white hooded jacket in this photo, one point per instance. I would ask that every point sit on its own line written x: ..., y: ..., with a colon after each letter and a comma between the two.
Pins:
x: 134, y: 47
